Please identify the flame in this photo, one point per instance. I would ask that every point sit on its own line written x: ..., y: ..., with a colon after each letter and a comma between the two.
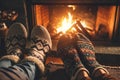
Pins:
x: 72, y: 6
x: 66, y: 24
x: 83, y: 23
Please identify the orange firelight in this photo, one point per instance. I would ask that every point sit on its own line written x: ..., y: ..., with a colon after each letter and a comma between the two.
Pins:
x: 66, y: 24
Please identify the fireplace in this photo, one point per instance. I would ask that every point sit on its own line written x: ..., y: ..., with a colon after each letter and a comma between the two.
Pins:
x: 100, y: 22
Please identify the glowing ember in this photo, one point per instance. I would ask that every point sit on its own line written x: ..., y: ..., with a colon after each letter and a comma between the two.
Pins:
x: 66, y: 24
x: 83, y: 24
x: 72, y: 6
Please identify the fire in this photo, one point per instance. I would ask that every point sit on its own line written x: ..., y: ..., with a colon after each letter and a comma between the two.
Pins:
x: 83, y: 23
x: 72, y: 6
x: 66, y: 24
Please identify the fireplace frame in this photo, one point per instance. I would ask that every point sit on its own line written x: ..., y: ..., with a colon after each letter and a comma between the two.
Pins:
x: 98, y: 2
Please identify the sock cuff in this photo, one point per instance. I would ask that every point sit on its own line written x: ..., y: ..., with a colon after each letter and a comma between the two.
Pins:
x: 95, y: 70
x: 13, y: 58
x: 80, y: 69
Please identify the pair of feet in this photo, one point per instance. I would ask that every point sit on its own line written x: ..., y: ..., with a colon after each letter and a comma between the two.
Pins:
x: 76, y: 49
x: 15, y: 43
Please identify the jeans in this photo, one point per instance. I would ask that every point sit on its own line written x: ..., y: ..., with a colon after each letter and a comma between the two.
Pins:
x: 21, y: 71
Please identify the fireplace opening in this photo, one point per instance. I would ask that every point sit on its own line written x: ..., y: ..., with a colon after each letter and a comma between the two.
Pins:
x: 99, y: 22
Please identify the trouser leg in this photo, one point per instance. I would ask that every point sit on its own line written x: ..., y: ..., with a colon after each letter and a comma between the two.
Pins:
x: 6, y: 63
x: 23, y: 71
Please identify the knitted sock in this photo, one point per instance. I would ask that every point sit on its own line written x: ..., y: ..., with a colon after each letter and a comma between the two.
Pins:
x: 86, y: 52
x: 70, y: 57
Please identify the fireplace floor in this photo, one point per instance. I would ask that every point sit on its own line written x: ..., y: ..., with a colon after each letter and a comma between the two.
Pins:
x: 57, y: 72
x: 101, y: 47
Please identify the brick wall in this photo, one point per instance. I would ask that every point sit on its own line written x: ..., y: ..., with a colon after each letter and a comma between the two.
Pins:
x: 42, y: 15
x: 106, y: 17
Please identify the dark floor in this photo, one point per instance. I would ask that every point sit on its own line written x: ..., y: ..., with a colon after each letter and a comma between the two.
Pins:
x: 115, y: 71
x: 109, y: 61
x: 57, y: 72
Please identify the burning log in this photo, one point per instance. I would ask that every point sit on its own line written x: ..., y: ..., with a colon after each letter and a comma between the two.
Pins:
x: 79, y: 25
x: 57, y: 35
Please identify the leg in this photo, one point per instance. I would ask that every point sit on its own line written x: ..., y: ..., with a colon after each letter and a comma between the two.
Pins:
x: 15, y: 43
x: 6, y: 63
x: 70, y: 57
x: 87, y: 54
x: 23, y: 71
x: 39, y: 46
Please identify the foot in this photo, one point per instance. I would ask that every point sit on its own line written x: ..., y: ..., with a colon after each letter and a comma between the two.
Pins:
x: 102, y: 74
x: 68, y: 53
x: 86, y: 52
x: 104, y: 77
x: 83, y: 75
x: 39, y: 46
x: 15, y: 42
